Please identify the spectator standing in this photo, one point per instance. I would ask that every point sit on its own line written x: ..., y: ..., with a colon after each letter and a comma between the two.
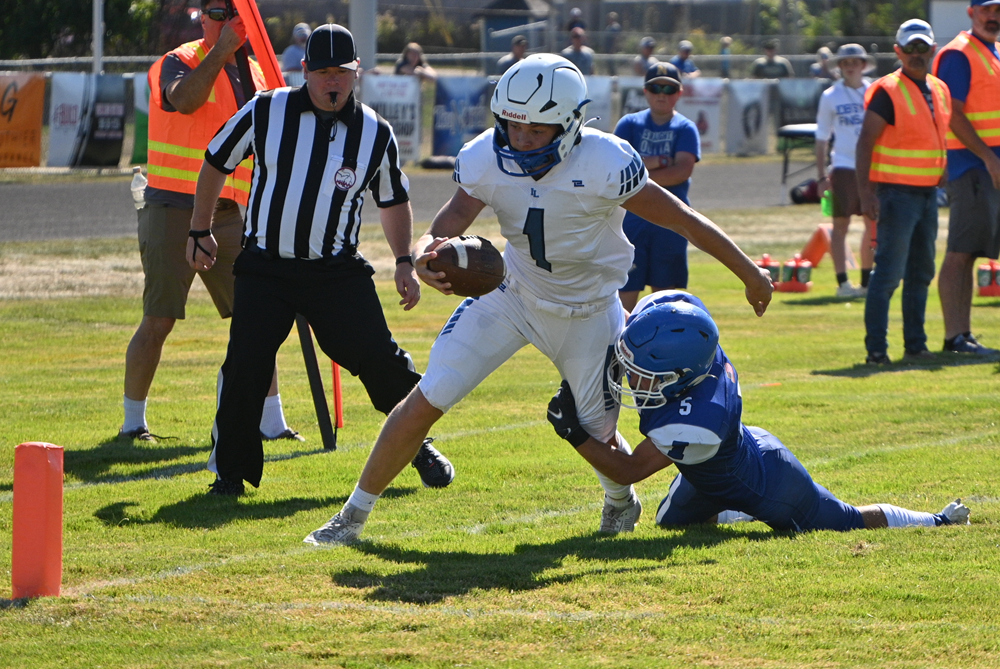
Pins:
x: 193, y: 90
x: 771, y: 65
x: 612, y: 31
x: 412, y: 61
x: 669, y: 145
x: 518, y: 47
x: 840, y: 115
x: 824, y: 67
x: 901, y: 149
x: 682, y: 61
x: 576, y: 20
x: 725, y: 50
x: 578, y: 52
x: 642, y: 62
x: 294, y: 53
x: 969, y: 66
x: 316, y: 151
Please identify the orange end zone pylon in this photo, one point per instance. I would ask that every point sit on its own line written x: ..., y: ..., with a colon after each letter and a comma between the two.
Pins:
x: 36, y: 564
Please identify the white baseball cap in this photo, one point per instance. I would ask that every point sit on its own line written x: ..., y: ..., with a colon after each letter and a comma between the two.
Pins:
x: 914, y: 29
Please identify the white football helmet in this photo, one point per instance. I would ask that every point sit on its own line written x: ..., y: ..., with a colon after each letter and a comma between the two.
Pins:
x: 542, y: 88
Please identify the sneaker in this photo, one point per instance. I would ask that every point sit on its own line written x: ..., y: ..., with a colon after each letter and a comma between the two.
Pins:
x: 435, y: 470
x: 344, y: 528
x: 878, y: 359
x: 139, y: 434
x: 848, y: 291
x: 289, y: 433
x: 224, y: 488
x: 919, y: 356
x: 966, y: 343
x: 955, y: 513
x: 615, y: 520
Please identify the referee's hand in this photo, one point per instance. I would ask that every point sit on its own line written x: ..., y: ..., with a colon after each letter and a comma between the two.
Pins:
x: 202, y: 256
x: 407, y: 285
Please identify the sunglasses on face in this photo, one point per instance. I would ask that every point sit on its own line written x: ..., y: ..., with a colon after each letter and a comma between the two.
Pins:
x: 216, y: 13
x: 666, y: 89
x: 919, y: 46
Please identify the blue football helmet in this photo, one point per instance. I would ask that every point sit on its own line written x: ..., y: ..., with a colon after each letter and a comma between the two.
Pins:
x: 664, y: 350
x: 542, y: 88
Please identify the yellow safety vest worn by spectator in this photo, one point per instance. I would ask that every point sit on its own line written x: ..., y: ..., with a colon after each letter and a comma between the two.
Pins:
x: 911, y: 152
x: 177, y: 141
x: 982, y: 105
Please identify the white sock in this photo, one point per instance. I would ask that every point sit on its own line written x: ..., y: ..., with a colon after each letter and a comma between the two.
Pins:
x: 616, y: 494
x: 363, y: 501
x: 899, y: 517
x: 135, y: 414
x: 734, y: 517
x: 272, y: 421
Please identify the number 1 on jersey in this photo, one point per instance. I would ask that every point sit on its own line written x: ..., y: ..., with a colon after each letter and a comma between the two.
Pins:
x: 534, y: 227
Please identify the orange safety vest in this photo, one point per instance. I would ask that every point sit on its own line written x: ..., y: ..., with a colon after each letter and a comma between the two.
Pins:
x: 911, y: 152
x: 982, y: 106
x: 177, y: 141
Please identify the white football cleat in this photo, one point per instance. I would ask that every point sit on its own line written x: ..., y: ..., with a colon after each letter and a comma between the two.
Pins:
x: 849, y: 291
x: 342, y: 529
x: 956, y: 513
x: 615, y: 520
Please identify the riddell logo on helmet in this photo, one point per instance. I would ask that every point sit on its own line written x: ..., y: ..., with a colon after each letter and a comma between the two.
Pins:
x: 513, y: 115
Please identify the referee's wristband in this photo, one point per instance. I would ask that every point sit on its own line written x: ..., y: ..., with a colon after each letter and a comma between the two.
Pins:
x: 198, y: 234
x: 401, y: 260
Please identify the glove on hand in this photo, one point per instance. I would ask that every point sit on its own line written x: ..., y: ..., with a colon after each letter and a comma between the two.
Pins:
x: 562, y: 415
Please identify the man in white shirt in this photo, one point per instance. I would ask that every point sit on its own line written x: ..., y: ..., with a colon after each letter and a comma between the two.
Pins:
x: 841, y: 111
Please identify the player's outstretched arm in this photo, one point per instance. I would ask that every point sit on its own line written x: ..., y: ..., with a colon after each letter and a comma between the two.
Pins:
x: 621, y: 467
x: 658, y: 206
x: 454, y: 218
x: 397, y: 223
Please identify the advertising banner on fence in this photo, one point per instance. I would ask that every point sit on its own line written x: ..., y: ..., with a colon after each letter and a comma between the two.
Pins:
x: 86, y: 119
x: 397, y: 100
x: 798, y: 100
x: 746, y: 127
x: 461, y: 111
x: 140, y: 93
x: 599, y: 107
x: 22, y: 101
x: 701, y: 102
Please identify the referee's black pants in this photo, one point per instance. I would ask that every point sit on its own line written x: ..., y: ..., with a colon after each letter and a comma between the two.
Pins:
x: 338, y: 299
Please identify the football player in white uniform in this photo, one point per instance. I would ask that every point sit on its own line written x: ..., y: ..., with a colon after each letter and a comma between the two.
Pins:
x: 557, y: 189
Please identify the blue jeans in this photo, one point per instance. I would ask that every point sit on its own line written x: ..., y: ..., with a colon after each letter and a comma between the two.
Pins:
x: 907, y: 230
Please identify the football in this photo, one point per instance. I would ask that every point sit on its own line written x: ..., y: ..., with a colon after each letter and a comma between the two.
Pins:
x: 472, y: 265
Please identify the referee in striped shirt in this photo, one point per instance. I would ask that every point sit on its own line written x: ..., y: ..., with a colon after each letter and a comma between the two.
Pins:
x: 316, y: 151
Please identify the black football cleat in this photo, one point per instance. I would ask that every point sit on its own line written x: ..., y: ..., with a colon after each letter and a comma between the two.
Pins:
x: 224, y: 488
x: 435, y: 470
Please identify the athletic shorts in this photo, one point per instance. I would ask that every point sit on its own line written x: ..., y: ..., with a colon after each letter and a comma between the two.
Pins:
x: 791, y: 500
x: 660, y: 256
x: 163, y: 236
x: 974, y: 222
x: 846, y: 199
x: 485, y: 332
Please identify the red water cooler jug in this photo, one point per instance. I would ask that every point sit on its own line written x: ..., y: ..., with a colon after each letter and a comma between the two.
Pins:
x: 795, y: 275
x: 988, y: 278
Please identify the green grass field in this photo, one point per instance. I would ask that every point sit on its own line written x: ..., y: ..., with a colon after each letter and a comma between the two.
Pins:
x: 504, y: 567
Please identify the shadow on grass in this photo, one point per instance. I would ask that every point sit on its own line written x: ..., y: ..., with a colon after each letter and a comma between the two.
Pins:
x: 205, y: 511
x: 450, y: 573
x: 817, y: 301
x: 19, y: 603
x: 862, y: 370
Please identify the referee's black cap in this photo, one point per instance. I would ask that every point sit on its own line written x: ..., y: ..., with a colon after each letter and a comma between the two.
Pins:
x: 331, y: 45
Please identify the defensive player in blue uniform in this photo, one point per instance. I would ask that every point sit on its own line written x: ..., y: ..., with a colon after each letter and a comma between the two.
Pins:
x: 688, y: 395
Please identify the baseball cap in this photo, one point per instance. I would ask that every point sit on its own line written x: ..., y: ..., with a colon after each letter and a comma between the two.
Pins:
x: 663, y: 73
x: 687, y: 46
x: 647, y: 43
x: 977, y: 3
x: 331, y: 45
x: 521, y: 39
x: 302, y: 30
x: 914, y: 29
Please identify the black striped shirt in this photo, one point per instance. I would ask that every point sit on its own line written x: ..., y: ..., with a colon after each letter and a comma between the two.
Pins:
x: 308, y: 189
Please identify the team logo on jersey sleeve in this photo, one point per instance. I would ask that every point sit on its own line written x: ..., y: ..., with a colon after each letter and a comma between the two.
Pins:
x: 345, y: 178
x: 730, y: 373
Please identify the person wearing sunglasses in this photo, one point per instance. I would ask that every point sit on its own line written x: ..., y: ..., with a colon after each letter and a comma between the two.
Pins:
x: 194, y: 89
x: 900, y: 162
x: 670, y: 145
x: 969, y: 65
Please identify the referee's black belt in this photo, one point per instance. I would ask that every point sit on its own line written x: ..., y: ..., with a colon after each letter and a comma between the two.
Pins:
x: 344, y: 255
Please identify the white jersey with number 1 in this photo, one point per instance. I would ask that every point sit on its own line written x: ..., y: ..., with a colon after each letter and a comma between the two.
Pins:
x: 563, y: 231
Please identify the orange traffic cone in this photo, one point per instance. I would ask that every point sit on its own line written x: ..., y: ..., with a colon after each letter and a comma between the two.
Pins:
x: 818, y: 245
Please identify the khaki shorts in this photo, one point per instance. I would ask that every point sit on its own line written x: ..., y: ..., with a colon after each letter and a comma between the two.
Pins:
x: 974, y: 220
x: 163, y: 235
x: 846, y: 200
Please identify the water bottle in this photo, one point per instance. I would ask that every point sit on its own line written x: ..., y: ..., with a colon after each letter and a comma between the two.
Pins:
x: 826, y: 203
x: 138, y: 188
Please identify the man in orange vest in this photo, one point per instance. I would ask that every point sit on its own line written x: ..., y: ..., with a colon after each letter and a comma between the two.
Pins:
x: 900, y: 163
x: 971, y: 68
x: 194, y: 89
